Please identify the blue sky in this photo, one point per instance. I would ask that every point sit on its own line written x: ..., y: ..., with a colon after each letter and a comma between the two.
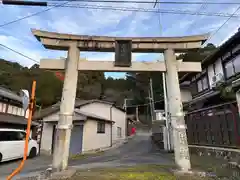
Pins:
x: 109, y: 23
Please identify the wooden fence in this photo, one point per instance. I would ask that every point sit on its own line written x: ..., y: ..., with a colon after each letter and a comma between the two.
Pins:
x: 215, y: 126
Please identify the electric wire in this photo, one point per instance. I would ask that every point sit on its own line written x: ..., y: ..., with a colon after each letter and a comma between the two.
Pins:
x: 34, y: 14
x: 203, y: 5
x: 19, y: 53
x: 147, y: 10
x: 224, y: 23
x: 151, y: 2
x: 86, y: 6
x: 212, y: 35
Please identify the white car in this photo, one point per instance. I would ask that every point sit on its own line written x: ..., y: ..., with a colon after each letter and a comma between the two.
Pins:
x: 12, y: 142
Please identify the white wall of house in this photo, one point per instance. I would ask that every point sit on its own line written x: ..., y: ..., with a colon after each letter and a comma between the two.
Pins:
x: 103, y: 110
x: 93, y: 140
x: 46, y: 141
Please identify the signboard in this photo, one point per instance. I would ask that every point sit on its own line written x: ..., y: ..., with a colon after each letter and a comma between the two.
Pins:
x: 123, y: 53
x: 25, y: 99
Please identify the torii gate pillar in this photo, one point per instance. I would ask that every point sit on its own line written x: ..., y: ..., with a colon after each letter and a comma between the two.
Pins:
x: 177, y: 121
x: 63, y: 135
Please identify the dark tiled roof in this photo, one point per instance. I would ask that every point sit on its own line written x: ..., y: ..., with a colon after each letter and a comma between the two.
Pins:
x: 56, y: 107
x: 9, y: 94
x: 91, y: 115
x: 13, y: 119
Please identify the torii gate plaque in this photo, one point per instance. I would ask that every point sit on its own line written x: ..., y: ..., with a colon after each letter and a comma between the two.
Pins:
x: 74, y: 43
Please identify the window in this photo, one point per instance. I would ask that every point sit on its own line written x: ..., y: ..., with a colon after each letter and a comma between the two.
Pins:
x: 229, y: 70
x: 236, y: 64
x: 232, y: 67
x: 202, y: 83
x: 119, y: 132
x: 100, y: 127
x: 12, y: 136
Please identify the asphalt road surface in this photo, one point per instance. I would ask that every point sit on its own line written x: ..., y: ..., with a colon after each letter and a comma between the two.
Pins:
x: 138, y: 150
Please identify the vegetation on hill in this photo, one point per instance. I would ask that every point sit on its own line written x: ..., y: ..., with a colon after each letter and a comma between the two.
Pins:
x: 91, y: 85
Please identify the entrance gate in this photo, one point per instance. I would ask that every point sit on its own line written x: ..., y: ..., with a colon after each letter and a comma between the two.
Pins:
x: 123, y: 47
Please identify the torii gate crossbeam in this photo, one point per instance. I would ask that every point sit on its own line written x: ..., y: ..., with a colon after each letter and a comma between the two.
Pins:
x: 74, y: 43
x: 108, y: 66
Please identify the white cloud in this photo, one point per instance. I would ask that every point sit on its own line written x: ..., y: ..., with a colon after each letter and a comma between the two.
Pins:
x: 104, y: 22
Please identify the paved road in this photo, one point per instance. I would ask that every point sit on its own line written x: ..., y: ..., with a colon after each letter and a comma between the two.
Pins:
x: 138, y: 150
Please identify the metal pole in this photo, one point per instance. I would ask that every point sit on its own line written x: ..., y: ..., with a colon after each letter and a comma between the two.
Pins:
x: 64, y: 127
x: 125, y: 114
x: 150, y: 104
x: 137, y: 118
x: 181, y: 150
x: 166, y: 111
x: 152, y: 98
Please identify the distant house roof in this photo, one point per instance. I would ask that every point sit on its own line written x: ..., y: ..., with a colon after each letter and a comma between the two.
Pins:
x: 220, y: 51
x: 83, y: 117
x: 9, y: 94
x: 78, y: 103
x: 93, y: 116
x: 14, y: 119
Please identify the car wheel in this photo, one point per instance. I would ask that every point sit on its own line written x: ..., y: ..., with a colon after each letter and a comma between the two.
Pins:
x: 0, y: 157
x: 33, y: 152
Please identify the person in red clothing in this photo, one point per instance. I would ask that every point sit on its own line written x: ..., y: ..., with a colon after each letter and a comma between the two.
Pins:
x: 133, y: 130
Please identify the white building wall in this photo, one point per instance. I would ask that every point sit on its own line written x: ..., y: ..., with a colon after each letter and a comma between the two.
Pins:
x: 46, y: 141
x: 103, y: 110
x: 210, y: 73
x: 93, y: 140
x: 119, y: 118
x: 219, y: 67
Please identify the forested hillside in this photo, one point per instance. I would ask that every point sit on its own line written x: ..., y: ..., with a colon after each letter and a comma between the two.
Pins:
x: 91, y: 85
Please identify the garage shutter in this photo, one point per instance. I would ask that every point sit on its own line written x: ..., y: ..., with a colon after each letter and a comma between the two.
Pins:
x: 76, y: 140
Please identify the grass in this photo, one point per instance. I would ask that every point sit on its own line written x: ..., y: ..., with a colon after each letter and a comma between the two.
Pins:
x: 87, y: 155
x: 144, y: 172
x: 214, y: 165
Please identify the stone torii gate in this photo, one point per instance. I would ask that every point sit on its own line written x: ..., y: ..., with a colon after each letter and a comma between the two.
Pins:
x: 72, y: 64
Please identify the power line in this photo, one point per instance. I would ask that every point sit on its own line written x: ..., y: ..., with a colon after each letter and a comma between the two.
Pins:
x: 19, y: 53
x: 120, y: 9
x: 204, y: 5
x: 152, y: 2
x: 147, y: 10
x: 34, y: 14
x: 145, y: 104
x: 215, y: 32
